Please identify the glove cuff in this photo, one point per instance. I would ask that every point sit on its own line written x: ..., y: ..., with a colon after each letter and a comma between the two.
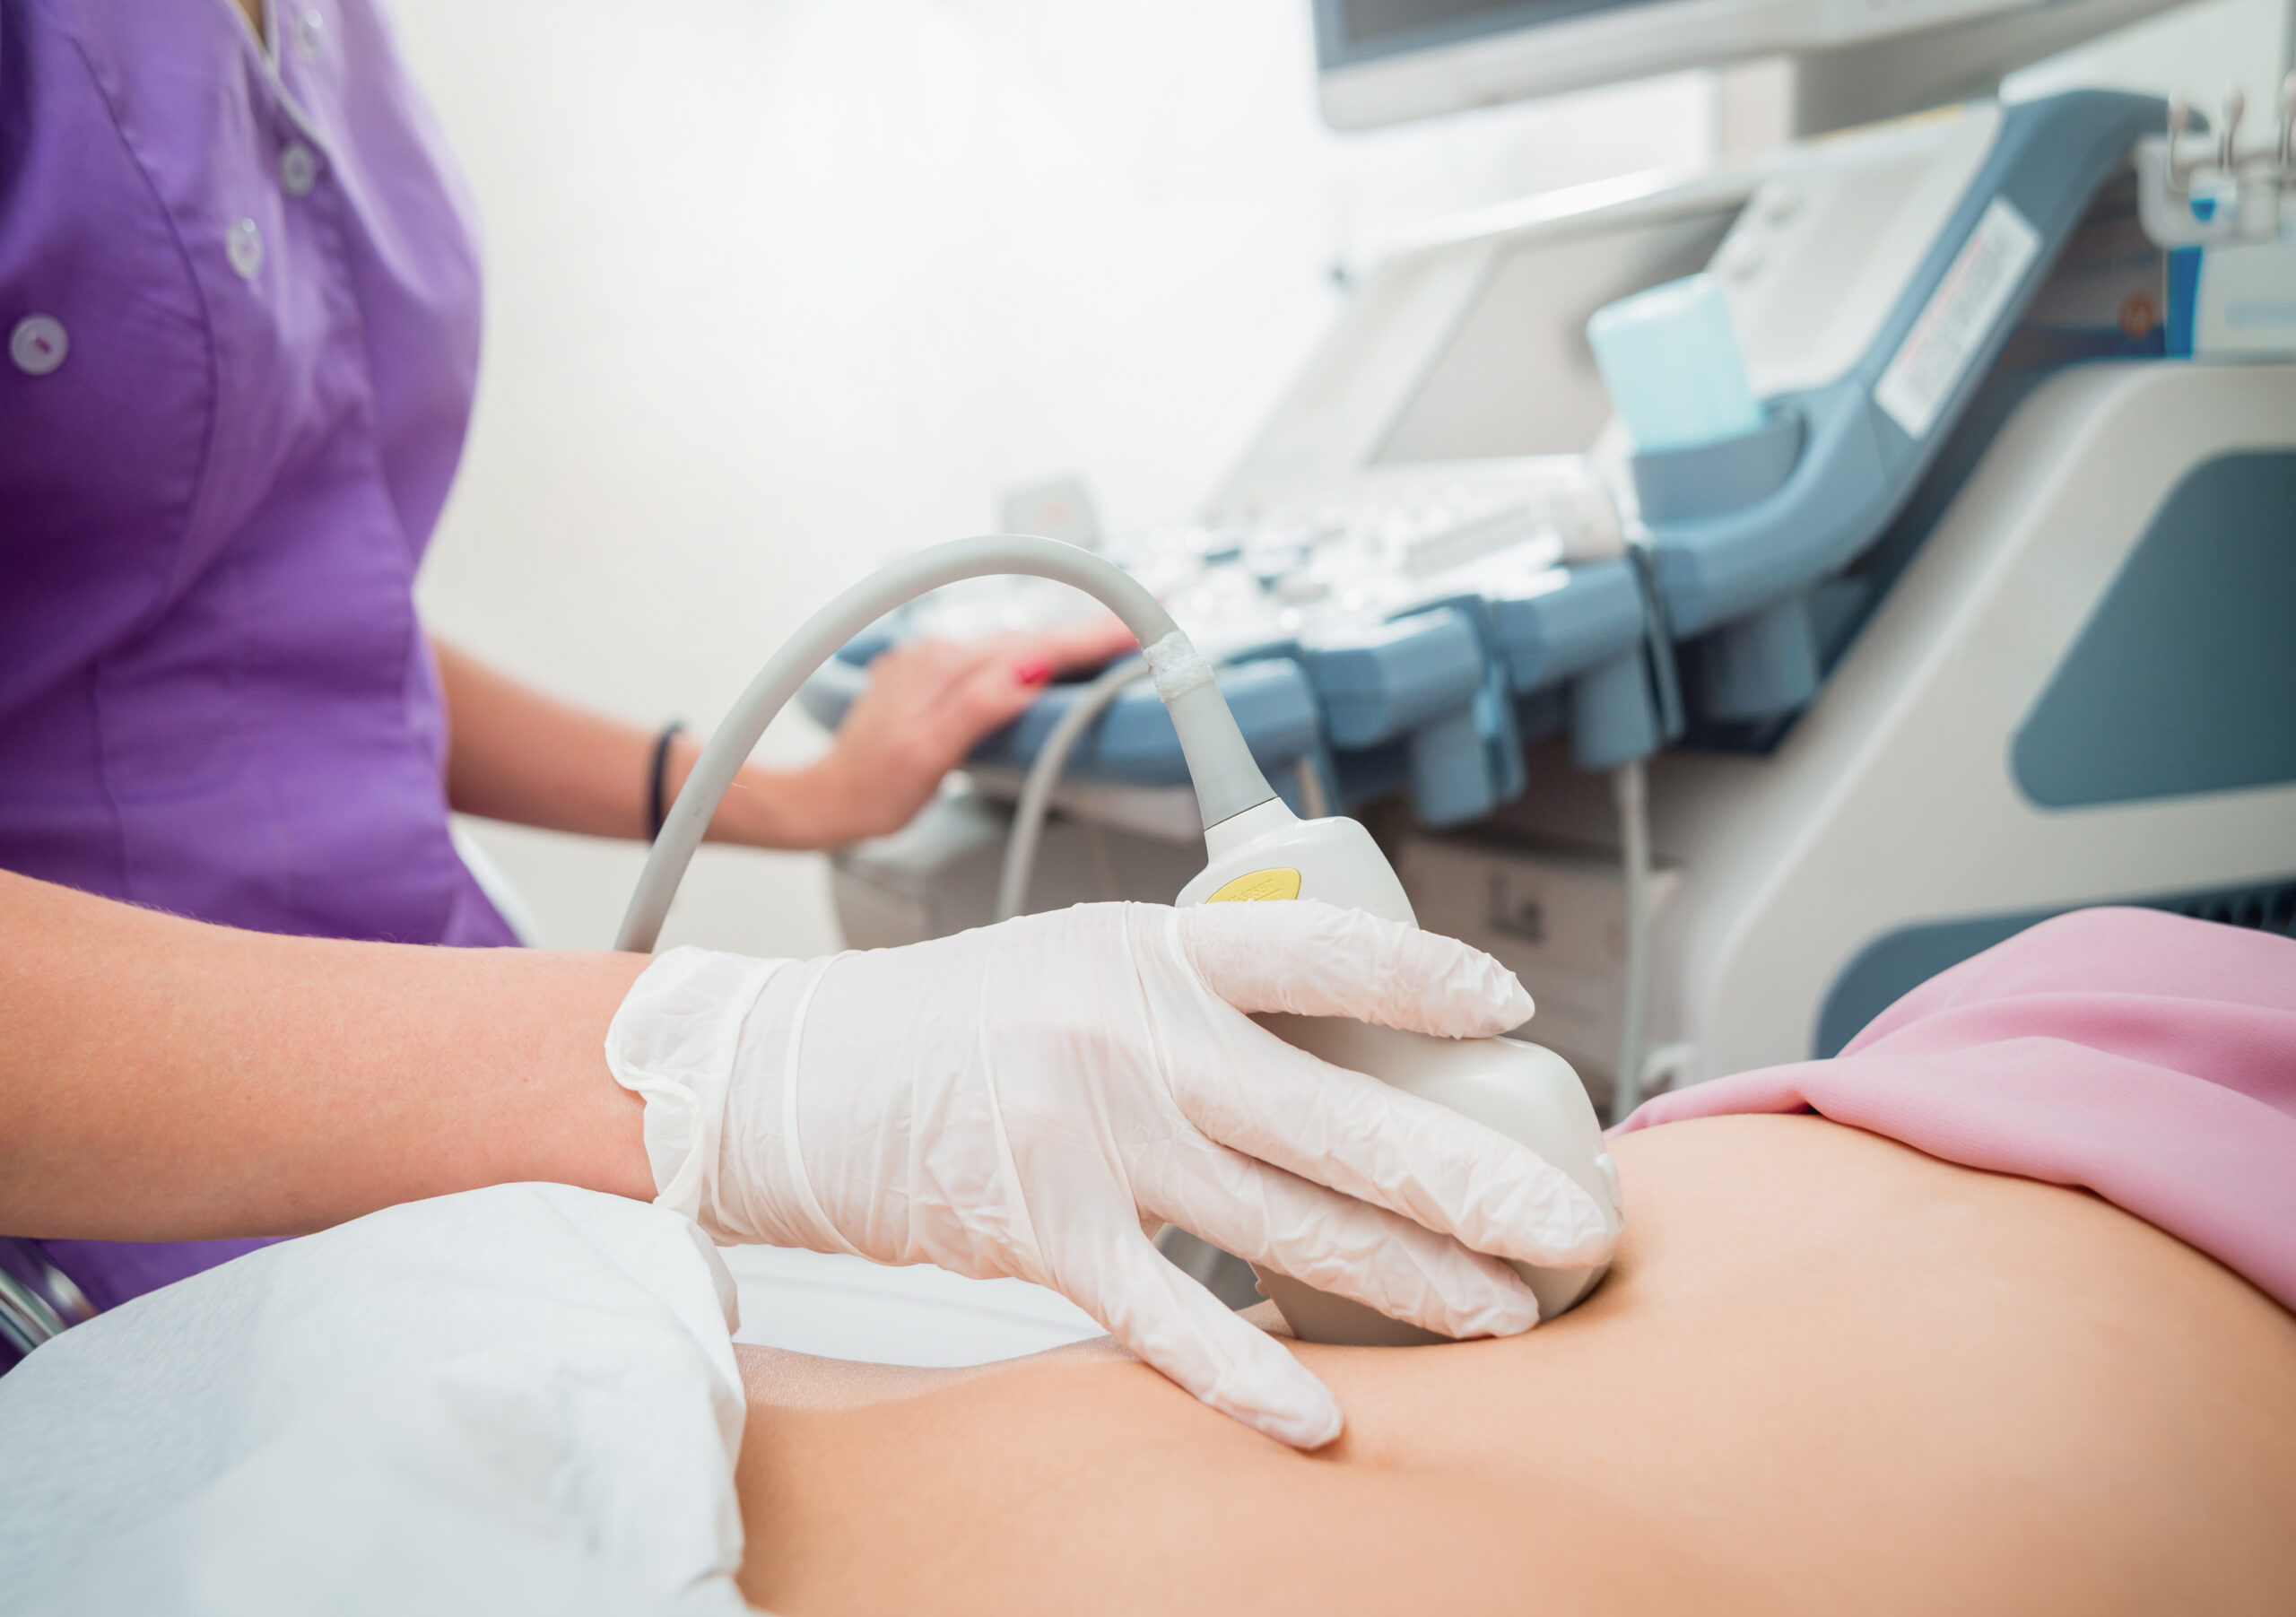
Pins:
x: 673, y: 1042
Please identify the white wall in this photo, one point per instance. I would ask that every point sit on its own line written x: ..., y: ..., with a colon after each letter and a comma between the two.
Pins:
x: 2195, y: 51
x: 780, y: 288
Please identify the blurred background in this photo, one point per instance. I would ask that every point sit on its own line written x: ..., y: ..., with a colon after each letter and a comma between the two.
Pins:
x: 777, y: 289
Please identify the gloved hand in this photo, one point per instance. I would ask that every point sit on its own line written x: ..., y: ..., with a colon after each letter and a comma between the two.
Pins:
x: 1032, y: 1099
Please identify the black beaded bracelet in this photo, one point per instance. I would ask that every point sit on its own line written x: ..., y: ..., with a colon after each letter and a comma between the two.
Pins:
x: 657, y: 811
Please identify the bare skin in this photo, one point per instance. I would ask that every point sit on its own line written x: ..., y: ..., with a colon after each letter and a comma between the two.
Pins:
x: 1827, y: 1374
x: 165, y: 1079
x: 520, y: 755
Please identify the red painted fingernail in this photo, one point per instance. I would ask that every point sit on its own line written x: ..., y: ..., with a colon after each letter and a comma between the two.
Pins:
x: 1032, y: 670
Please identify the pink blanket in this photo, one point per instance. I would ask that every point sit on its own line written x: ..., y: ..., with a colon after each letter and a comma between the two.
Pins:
x: 2149, y: 1058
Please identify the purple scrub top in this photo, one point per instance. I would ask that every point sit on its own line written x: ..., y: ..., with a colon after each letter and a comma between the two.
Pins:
x: 240, y: 298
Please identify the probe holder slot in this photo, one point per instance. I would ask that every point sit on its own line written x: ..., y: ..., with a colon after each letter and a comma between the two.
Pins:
x: 1728, y: 475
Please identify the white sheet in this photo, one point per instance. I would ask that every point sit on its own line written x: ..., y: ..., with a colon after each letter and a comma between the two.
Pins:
x: 521, y: 1399
x: 841, y: 1307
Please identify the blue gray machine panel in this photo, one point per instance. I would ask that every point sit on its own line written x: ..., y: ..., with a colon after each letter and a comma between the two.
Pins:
x: 2181, y: 680
x: 1730, y: 571
x: 1896, y: 963
x: 1725, y: 614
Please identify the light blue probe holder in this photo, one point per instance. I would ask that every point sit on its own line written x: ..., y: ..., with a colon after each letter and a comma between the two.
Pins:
x: 1671, y: 364
x: 1733, y: 578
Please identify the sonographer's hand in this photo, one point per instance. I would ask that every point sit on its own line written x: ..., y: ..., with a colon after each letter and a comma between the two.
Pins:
x: 1031, y: 1099
x: 926, y: 705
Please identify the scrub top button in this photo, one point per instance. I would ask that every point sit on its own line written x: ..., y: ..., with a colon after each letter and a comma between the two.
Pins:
x: 244, y: 246
x: 38, y: 344
x: 299, y: 169
x: 310, y: 28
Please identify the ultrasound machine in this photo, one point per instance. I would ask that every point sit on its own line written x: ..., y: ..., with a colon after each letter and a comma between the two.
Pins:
x: 1723, y: 743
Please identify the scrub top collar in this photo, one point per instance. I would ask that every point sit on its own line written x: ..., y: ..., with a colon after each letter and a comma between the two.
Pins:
x: 310, y: 28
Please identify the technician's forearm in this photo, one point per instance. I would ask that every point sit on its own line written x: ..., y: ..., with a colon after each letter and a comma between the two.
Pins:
x: 519, y: 755
x: 162, y: 1079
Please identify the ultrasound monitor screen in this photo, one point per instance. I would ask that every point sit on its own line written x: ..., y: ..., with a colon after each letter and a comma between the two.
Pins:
x: 1517, y: 377
x: 1348, y: 32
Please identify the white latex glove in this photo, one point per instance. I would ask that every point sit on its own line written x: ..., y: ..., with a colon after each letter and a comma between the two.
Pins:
x: 1031, y: 1099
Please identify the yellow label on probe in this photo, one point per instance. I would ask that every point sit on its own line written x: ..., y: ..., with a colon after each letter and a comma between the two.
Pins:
x: 1259, y: 885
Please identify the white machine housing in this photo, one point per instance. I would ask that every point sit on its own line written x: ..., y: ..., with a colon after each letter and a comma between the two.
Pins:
x: 1465, y: 360
x: 1890, y: 803
x: 1855, y: 61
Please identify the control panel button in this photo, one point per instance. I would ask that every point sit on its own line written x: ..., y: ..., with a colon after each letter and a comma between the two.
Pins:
x: 1742, y: 256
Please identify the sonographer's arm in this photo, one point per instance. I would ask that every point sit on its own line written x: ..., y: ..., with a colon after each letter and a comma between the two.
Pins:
x: 520, y: 755
x: 1020, y: 1100
x: 162, y: 1079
